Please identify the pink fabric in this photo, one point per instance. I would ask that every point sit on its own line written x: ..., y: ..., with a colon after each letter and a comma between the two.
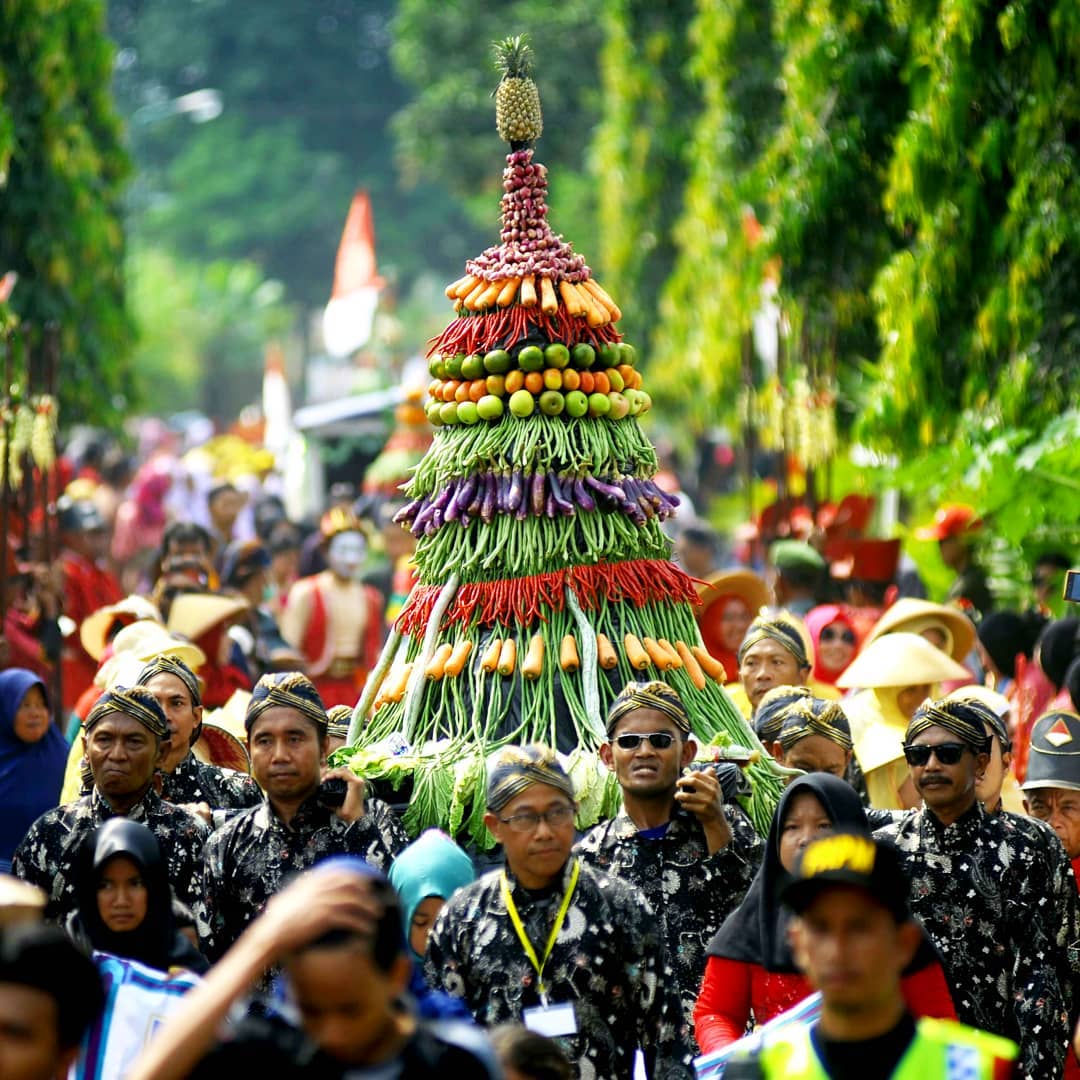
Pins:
x: 816, y: 620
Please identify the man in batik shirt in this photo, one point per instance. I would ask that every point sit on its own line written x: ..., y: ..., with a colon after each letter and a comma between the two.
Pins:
x: 689, y: 852
x: 207, y: 790
x: 549, y: 941
x: 985, y: 892
x: 124, y: 733
x: 294, y: 827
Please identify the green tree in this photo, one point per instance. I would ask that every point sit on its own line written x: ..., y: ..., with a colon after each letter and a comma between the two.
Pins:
x: 979, y: 307
x: 305, y: 92
x: 62, y: 174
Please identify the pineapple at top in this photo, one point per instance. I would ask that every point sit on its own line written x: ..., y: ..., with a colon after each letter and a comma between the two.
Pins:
x: 517, y: 101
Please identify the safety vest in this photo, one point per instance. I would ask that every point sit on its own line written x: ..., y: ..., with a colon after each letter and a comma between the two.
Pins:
x: 941, y: 1050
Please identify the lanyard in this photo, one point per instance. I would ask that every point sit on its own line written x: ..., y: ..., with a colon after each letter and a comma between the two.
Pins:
x: 560, y: 918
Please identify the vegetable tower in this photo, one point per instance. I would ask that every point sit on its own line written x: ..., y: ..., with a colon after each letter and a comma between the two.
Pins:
x: 544, y: 580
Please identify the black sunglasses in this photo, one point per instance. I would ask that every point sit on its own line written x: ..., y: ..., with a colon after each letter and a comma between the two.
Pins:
x: 658, y: 740
x: 947, y: 753
x: 846, y: 636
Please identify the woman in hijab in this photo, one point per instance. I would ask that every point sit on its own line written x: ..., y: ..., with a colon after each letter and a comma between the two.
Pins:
x: 750, y: 972
x: 836, y: 641
x: 125, y: 902
x: 33, y: 755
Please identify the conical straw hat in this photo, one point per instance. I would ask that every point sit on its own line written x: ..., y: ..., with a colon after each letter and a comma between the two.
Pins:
x: 900, y: 659
x: 142, y: 641
x: 192, y: 614
x: 914, y: 616
x: 94, y: 626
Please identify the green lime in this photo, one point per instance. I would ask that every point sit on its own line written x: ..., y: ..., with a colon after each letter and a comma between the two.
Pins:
x: 583, y: 355
x: 497, y: 362
x: 627, y: 353
x: 609, y: 354
x: 436, y: 368
x: 472, y: 367
x: 531, y: 358
x: 557, y: 355
x: 452, y: 364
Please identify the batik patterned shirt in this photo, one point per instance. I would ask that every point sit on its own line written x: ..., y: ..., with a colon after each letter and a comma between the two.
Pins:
x: 249, y: 859
x: 995, y: 901
x: 47, y: 856
x: 691, y: 892
x: 606, y: 961
x: 223, y: 790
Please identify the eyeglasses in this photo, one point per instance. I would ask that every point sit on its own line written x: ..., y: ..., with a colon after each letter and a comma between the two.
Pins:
x: 947, y: 753
x: 658, y: 740
x: 529, y: 821
x: 846, y: 636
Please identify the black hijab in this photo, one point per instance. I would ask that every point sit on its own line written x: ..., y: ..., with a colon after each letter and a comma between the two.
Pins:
x: 1059, y: 645
x: 756, y: 931
x: 155, y: 941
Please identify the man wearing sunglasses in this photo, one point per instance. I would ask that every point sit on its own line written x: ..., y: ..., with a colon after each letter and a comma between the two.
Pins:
x: 689, y: 851
x: 548, y: 941
x: 995, y: 906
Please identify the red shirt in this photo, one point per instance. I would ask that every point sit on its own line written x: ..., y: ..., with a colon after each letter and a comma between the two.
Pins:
x: 732, y: 989
x: 87, y: 587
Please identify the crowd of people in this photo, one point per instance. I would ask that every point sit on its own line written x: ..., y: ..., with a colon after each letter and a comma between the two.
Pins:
x: 175, y: 843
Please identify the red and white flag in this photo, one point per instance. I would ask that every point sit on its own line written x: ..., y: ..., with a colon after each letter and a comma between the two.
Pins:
x: 348, y: 318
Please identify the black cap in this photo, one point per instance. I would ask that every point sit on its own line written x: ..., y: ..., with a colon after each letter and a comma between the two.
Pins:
x: 847, y: 858
x: 79, y: 515
x: 1054, y: 758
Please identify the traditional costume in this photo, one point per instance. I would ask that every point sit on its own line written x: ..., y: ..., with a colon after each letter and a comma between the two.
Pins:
x: 334, y: 620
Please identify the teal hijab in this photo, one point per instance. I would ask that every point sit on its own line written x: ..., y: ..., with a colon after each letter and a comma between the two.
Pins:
x: 433, y: 865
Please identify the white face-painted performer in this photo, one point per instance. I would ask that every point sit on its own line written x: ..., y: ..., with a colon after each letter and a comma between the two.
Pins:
x: 333, y: 619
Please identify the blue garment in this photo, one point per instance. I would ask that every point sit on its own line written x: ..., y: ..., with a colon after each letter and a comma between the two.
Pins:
x: 31, y: 774
x: 433, y: 865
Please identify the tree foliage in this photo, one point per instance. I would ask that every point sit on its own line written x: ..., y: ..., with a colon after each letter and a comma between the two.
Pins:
x: 62, y: 173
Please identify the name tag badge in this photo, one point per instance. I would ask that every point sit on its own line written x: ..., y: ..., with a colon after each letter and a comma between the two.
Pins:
x: 551, y: 1020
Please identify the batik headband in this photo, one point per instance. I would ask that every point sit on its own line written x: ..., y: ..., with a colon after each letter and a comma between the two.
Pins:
x: 651, y: 695
x: 769, y: 717
x: 338, y: 720
x: 997, y: 724
x: 814, y: 716
x: 519, y: 768
x: 287, y: 690
x: 134, y: 701
x: 171, y: 665
x: 966, y: 720
x: 779, y: 629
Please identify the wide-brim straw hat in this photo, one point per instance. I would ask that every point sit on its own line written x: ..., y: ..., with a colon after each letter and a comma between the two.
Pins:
x: 193, y: 614
x: 744, y: 584
x: 230, y: 717
x: 96, y: 625
x: 900, y: 659
x: 216, y: 746
x: 140, y: 642
x: 909, y: 614
x: 20, y: 901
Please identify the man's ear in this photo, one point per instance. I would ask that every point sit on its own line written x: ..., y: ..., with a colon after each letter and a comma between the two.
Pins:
x: 796, y: 935
x: 494, y: 826
x: 324, y: 749
x: 689, y: 752
x: 777, y: 751
x: 400, y: 973
x: 981, y: 762
x: 606, y: 756
x: 909, y: 938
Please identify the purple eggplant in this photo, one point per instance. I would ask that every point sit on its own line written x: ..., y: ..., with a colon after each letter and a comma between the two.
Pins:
x: 408, y: 512
x: 478, y: 497
x: 465, y: 493
x: 440, y: 500
x: 487, y: 507
x: 581, y: 495
x: 537, y: 494
x: 565, y: 507
x: 516, y: 494
x: 549, y: 505
x: 608, y: 491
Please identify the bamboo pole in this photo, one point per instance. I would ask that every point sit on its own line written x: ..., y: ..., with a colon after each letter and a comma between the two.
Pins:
x: 5, y: 480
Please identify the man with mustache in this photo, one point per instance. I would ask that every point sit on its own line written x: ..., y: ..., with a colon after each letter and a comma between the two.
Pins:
x: 985, y: 892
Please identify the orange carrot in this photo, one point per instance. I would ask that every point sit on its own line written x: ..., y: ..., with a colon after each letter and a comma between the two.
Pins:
x: 676, y: 659
x: 490, y: 660
x: 709, y: 664
x: 605, y: 653
x: 395, y: 689
x: 605, y: 301
x: 570, y: 298
x: 595, y: 312
x: 635, y: 652
x: 693, y: 668
x: 477, y: 291
x: 507, y: 657
x: 508, y: 292
x: 458, y: 657
x: 489, y: 295
x: 528, y: 291
x: 533, y: 664
x: 660, y: 657
x: 548, y: 304
x: 436, y: 668
x: 568, y: 654
x: 460, y: 288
